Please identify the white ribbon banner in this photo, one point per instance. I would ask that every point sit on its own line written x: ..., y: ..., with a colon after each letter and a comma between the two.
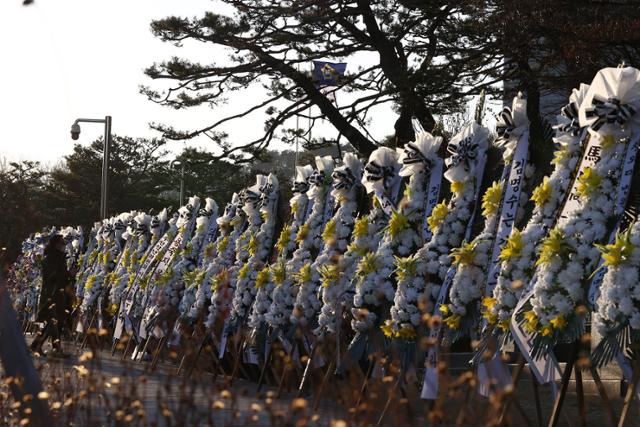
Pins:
x: 433, y: 194
x: 430, y: 382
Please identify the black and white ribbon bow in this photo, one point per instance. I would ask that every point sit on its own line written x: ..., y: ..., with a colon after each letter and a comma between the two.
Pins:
x: 608, y: 111
x: 300, y: 187
x: 142, y: 229
x: 252, y: 198
x: 413, y: 155
x: 343, y: 178
x: 505, y: 124
x: 188, y: 211
x: 375, y: 172
x: 462, y: 154
x: 265, y: 194
x: 316, y: 178
x: 155, y: 222
x: 572, y: 126
x: 203, y: 212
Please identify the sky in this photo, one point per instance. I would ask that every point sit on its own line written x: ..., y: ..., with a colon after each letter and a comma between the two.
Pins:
x: 66, y: 59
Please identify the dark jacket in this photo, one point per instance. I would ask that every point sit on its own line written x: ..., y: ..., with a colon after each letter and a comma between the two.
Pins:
x: 55, y: 281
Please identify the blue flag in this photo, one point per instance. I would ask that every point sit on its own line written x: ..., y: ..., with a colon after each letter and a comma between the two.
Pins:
x: 328, y: 73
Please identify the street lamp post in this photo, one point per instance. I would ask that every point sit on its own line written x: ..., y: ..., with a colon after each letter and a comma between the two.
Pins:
x: 75, y: 134
x: 181, y: 164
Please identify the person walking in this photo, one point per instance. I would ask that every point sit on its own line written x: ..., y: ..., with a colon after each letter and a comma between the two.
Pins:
x: 54, y: 298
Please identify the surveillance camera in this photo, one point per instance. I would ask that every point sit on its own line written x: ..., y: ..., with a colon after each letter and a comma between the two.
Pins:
x: 75, y: 131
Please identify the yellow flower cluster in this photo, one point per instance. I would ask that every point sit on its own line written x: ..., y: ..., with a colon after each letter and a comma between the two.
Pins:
x: 284, y: 239
x: 619, y: 251
x: 244, y: 271
x: 397, y: 224
x: 553, y: 245
x: 491, y: 199
x: 464, y: 255
x: 329, y: 233
x: 542, y: 193
x: 513, y: 246
x: 361, y: 226
x: 279, y: 272
x: 438, y: 215
x: 329, y: 274
x: 457, y: 187
x: 219, y: 279
x: 532, y: 324
x: 263, y: 277
x: 407, y: 332
x: 368, y: 264
x: 304, y: 275
x: 588, y: 182
x: 303, y: 232
x: 405, y: 267
x: 222, y: 245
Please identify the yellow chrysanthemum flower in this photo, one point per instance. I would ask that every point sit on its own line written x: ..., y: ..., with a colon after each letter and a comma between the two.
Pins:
x: 279, y: 272
x: 513, y: 246
x: 262, y: 278
x: 464, y: 255
x: 542, y: 193
x: 407, y: 332
x: 588, y: 182
x: 546, y: 331
x: 552, y: 246
x: 453, y: 321
x: 222, y: 245
x: 559, y: 155
x: 368, y: 264
x: 329, y: 232
x: 619, y: 251
x: 457, y: 187
x: 405, y: 267
x: 531, y: 321
x: 304, y: 275
x: 303, y: 231
x: 504, y: 325
x: 284, y: 239
x: 387, y: 329
x: 361, y: 226
x: 438, y: 215
x: 243, y: 272
x: 253, y: 245
x: 444, y: 309
x: 491, y: 199
x: 330, y: 274
x: 558, y: 322
x: 397, y: 224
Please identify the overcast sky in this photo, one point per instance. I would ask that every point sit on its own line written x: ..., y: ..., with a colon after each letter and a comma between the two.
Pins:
x: 66, y: 59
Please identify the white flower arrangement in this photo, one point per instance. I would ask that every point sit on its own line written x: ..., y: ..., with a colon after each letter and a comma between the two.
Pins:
x: 331, y: 263
x: 333, y: 234
x: 519, y: 254
x: 217, y: 279
x: 373, y: 281
x: 201, y: 247
x: 276, y: 275
x: 137, y: 243
x: 418, y: 160
x: 473, y: 259
x: 258, y: 248
x: 309, y: 242
x: 92, y: 287
x: 448, y: 224
x: 568, y: 255
x: 166, y: 282
x: 618, y: 304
